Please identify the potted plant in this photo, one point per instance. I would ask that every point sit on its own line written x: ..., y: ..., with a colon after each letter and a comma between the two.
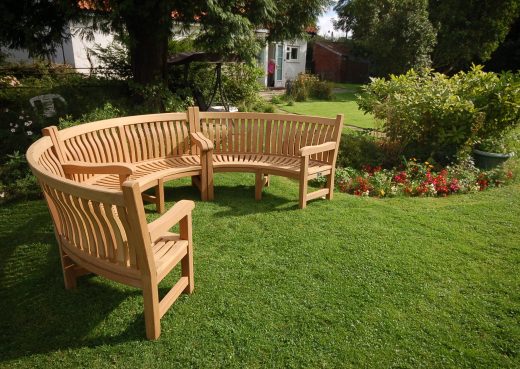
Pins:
x: 491, y: 152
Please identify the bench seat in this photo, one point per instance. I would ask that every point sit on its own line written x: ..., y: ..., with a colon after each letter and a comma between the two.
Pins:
x: 150, y: 170
x: 268, y: 163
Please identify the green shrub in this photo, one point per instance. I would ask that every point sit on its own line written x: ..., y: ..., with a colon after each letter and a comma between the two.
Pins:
x: 308, y: 85
x: 16, y: 180
x: 359, y: 148
x: 240, y: 83
x: 431, y: 115
x: 322, y: 90
x: 276, y: 99
x: 114, y: 60
x: 106, y: 112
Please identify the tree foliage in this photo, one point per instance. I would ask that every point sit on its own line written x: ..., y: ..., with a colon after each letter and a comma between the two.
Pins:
x: 395, y: 35
x: 469, y: 30
x: 226, y: 26
x: 37, y: 26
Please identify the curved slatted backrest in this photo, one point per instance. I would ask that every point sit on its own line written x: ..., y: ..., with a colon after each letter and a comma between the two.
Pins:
x: 126, y: 139
x: 268, y: 134
x: 92, y: 224
x: 50, y: 162
x: 99, y: 146
x: 159, y: 138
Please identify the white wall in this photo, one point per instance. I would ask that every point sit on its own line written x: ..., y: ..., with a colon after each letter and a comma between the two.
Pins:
x: 73, y: 51
x: 294, y: 67
x: 81, y: 46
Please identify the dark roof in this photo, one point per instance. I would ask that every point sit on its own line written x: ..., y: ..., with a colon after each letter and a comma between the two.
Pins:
x: 200, y: 56
x: 339, y: 48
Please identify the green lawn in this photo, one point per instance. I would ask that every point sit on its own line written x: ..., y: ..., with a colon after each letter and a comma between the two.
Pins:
x: 343, y: 103
x: 356, y: 282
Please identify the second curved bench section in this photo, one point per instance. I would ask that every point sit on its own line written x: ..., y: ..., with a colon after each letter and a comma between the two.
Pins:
x: 156, y: 148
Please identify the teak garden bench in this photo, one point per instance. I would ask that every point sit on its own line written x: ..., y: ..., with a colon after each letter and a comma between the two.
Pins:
x: 94, y: 177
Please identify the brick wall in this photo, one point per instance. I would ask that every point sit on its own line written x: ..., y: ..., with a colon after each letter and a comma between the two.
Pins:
x: 333, y: 66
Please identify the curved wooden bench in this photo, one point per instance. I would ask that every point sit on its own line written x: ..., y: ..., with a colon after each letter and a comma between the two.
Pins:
x: 149, y: 148
x: 289, y: 145
x: 104, y: 231
x: 94, y: 176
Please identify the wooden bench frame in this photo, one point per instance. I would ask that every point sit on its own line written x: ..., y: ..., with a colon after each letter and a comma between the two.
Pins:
x: 94, y: 176
x: 309, y: 140
x: 104, y: 231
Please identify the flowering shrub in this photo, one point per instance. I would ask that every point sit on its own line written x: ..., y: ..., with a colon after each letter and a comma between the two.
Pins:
x: 309, y: 85
x: 429, y: 114
x: 419, y: 179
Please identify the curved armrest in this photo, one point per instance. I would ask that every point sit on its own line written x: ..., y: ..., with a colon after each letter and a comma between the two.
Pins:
x: 314, y: 149
x: 202, y: 141
x: 80, y: 167
x: 173, y: 216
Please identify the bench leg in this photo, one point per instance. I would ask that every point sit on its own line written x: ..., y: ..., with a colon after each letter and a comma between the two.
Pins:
x: 69, y: 274
x: 152, y: 317
x: 259, y: 185
x: 330, y: 186
x: 303, y: 192
x: 187, y: 261
x: 266, y: 180
x: 159, y: 195
x: 304, y: 170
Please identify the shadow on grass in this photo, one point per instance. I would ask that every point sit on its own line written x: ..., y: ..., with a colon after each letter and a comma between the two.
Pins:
x: 234, y: 201
x: 37, y: 314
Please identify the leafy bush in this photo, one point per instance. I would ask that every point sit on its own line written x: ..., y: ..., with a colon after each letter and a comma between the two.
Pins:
x: 155, y: 98
x: 308, y: 85
x: 114, y: 60
x: 240, y: 83
x: 275, y: 99
x: 16, y: 180
x: 106, y: 112
x: 359, y: 148
x: 431, y: 115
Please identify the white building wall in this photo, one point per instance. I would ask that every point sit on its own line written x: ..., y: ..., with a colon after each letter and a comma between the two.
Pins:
x: 83, y: 58
x: 74, y: 51
x: 294, y: 67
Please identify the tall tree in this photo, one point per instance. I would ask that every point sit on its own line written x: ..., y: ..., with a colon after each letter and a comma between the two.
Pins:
x: 469, y: 30
x: 37, y: 26
x: 227, y: 26
x: 507, y: 56
x: 395, y: 35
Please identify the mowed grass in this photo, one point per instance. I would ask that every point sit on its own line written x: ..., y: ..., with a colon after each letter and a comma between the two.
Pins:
x: 354, y: 282
x: 343, y: 103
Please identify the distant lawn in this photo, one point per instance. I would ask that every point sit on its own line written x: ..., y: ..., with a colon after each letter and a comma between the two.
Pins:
x: 351, y: 283
x: 343, y: 103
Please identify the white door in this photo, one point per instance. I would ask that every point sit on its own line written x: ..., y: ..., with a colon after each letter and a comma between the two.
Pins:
x: 279, y: 78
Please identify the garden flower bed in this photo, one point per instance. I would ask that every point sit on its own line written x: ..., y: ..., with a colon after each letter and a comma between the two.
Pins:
x: 416, y: 178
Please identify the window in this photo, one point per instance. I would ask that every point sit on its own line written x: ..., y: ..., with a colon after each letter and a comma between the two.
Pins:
x: 291, y: 53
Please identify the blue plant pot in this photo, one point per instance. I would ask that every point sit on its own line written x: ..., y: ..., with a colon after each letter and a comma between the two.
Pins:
x: 489, y: 160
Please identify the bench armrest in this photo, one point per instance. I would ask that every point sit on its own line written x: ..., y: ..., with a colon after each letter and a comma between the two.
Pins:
x: 80, y: 167
x: 202, y: 141
x: 158, y: 227
x: 314, y: 149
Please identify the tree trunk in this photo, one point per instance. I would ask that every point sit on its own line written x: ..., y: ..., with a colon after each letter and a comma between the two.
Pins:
x: 149, y: 31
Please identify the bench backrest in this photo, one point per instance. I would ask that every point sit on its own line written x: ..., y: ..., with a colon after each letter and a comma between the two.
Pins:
x: 97, y: 226
x: 146, y: 137
x: 268, y: 134
x: 126, y: 140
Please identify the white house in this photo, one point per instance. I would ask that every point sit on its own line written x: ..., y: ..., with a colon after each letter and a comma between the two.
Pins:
x: 288, y: 57
x: 74, y: 51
